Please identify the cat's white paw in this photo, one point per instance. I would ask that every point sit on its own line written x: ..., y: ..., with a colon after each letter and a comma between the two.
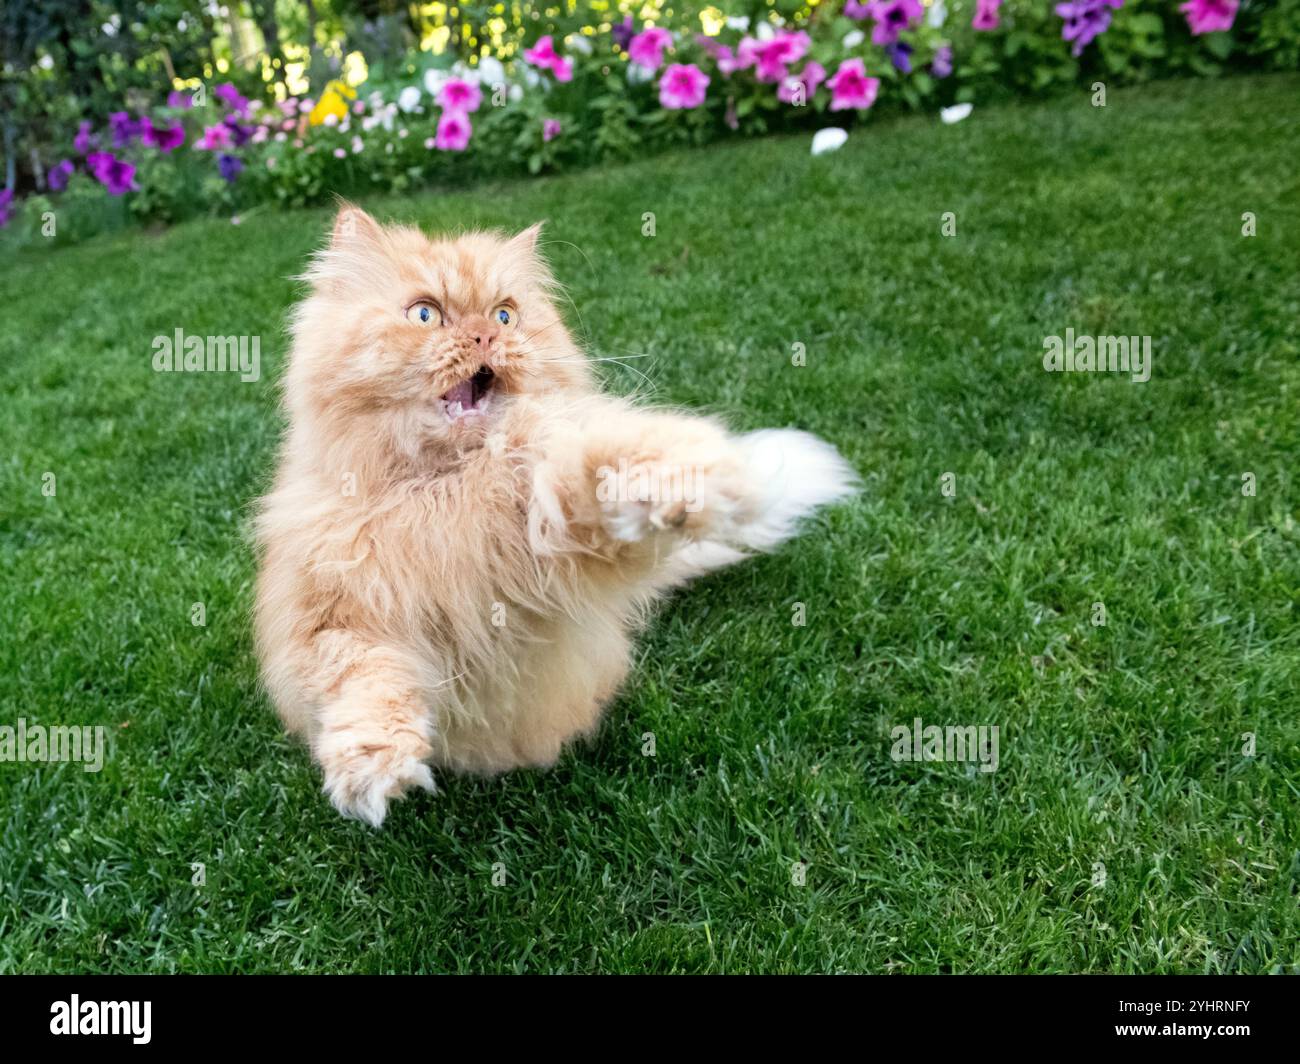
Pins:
x: 363, y: 773
x: 652, y: 498
x: 792, y: 473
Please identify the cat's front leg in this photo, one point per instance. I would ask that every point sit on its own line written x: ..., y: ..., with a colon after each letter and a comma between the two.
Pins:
x: 373, y: 732
x: 614, y: 476
x: 623, y: 476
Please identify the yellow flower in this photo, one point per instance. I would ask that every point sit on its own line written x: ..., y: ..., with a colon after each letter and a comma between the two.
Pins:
x: 333, y: 101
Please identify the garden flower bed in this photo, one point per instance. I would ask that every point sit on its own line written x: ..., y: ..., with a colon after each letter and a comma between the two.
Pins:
x: 609, y: 90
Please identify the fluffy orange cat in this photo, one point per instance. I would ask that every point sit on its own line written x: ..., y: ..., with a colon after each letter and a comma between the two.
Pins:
x: 464, y: 532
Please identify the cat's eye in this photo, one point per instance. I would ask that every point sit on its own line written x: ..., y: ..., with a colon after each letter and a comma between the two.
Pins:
x: 505, y: 316
x: 424, y: 313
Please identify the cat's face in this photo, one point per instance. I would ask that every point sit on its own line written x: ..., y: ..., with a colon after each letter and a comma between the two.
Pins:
x: 436, y: 335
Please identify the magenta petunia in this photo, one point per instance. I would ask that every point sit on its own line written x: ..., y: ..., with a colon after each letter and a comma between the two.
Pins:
x: 1209, y: 16
x: 462, y: 97
x: 682, y: 87
x: 773, y: 57
x: 544, y: 56
x: 117, y: 175
x: 453, y: 132
x: 215, y: 138
x: 646, y: 49
x: 164, y: 138
x: 892, y: 17
x: 550, y: 129
x: 986, y: 14
x: 851, y: 88
x: 802, y: 87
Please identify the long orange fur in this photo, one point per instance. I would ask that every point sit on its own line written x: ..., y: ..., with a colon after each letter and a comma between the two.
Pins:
x: 458, y: 592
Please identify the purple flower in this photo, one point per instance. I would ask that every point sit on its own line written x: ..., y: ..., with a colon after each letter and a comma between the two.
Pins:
x: 6, y: 206
x: 941, y: 67
x: 230, y: 96
x: 229, y: 166
x: 623, y: 32
x: 84, y: 140
x: 117, y: 175
x: 859, y: 11
x: 58, y: 176
x: 181, y: 100
x: 1085, y: 20
x: 550, y: 129
x: 892, y: 17
x: 164, y: 138
x: 124, y: 128
x: 900, y: 54
x: 239, y: 133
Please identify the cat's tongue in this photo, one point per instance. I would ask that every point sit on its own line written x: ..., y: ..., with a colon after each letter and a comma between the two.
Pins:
x: 461, y: 397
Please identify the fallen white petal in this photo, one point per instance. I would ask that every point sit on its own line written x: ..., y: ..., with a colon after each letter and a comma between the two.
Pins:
x: 955, y: 113
x: 829, y: 139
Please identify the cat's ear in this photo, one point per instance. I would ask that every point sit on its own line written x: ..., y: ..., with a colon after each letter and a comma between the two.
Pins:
x: 352, y: 227
x: 526, y: 241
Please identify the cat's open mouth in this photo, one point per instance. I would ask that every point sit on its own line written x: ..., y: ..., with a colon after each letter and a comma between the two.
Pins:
x: 470, y: 396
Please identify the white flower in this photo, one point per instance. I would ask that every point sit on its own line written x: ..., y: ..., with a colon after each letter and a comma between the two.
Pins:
x: 831, y: 138
x: 955, y: 113
x: 937, y: 15
x: 516, y: 93
x: 741, y: 23
x: 433, y: 80
x: 409, y: 98
x: 46, y: 62
x: 576, y: 42
x: 331, y: 120
x: 531, y: 78
x: 853, y: 38
x: 491, y: 71
x: 765, y: 32
x: 638, y: 75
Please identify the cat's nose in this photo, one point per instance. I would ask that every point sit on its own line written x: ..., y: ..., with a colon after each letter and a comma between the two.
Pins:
x: 483, y: 331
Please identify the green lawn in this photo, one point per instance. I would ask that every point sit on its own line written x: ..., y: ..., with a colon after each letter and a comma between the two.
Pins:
x: 1119, y: 745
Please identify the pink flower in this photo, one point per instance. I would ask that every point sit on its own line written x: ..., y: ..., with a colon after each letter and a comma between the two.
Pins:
x: 1209, y: 16
x: 459, y: 96
x: 544, y: 56
x: 801, y: 86
x: 892, y: 17
x: 729, y: 62
x: 214, y: 138
x: 851, y: 88
x: 339, y: 153
x: 550, y: 129
x: 453, y: 132
x: 986, y: 14
x: 682, y: 87
x: 772, y: 56
x: 646, y: 49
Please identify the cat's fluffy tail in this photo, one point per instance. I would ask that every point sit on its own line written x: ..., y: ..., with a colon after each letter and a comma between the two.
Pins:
x: 794, y: 473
